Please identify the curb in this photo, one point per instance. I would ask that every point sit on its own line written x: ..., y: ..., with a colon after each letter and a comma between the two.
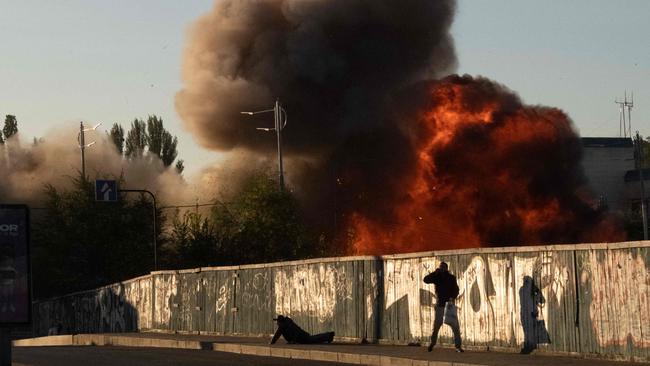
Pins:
x: 244, y: 349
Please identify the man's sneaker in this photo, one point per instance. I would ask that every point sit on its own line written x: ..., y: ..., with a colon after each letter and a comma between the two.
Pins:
x: 430, y: 348
x: 459, y: 350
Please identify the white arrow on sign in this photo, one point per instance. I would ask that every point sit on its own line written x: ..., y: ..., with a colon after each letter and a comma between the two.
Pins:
x: 106, y: 191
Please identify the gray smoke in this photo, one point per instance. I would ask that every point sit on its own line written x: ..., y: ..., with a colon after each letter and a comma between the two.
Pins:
x: 334, y: 64
x: 27, y: 169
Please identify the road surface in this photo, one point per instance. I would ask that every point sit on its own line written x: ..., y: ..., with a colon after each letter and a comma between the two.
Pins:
x: 127, y: 356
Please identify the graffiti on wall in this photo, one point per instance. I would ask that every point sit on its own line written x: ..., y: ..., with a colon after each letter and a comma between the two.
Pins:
x: 312, y: 290
x: 166, y: 290
x: 620, y: 314
x: 497, y: 300
x: 255, y: 293
x: 558, y: 300
x: 138, y: 294
x: 105, y: 310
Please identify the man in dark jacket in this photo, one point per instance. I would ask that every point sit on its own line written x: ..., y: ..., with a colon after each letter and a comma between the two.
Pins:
x: 292, y: 333
x: 446, y: 290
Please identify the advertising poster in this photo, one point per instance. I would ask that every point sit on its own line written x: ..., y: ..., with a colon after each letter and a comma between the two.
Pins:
x: 15, y: 294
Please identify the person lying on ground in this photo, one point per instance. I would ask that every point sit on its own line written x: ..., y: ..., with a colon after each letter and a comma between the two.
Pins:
x: 292, y: 333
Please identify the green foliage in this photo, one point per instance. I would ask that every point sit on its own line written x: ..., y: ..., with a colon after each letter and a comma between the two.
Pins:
x: 151, y: 136
x: 11, y: 126
x: 117, y: 137
x: 168, y: 152
x: 80, y: 243
x: 180, y: 166
x: 265, y: 223
x: 155, y: 132
x: 260, y: 224
x: 136, y: 139
x: 161, y: 142
x: 194, y: 241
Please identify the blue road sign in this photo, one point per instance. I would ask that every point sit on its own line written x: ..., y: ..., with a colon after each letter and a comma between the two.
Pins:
x: 105, y: 190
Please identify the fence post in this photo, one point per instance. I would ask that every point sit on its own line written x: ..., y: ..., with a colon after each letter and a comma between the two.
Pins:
x: 153, y: 300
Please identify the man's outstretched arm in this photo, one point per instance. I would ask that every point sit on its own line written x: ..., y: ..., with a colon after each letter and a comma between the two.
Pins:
x: 276, y: 336
x: 431, y: 277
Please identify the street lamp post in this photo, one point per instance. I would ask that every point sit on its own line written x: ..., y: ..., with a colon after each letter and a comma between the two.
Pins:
x: 280, y: 119
x: 81, y: 138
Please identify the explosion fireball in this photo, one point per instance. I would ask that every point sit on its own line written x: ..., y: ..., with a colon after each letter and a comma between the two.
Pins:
x: 489, y: 171
x: 384, y: 158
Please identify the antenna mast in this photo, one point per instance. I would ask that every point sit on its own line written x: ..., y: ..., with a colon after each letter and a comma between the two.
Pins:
x: 629, y: 106
x: 625, y: 129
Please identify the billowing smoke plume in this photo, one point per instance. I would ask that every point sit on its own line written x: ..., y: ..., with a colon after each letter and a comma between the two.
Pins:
x: 334, y: 64
x: 388, y: 159
x: 27, y: 169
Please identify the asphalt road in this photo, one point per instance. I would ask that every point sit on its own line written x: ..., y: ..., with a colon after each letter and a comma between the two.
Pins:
x: 125, y: 356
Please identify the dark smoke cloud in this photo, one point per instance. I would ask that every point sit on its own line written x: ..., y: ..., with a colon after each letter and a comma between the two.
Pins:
x: 333, y: 63
x: 356, y: 78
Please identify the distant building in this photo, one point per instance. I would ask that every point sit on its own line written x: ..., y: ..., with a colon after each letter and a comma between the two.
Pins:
x: 608, y: 163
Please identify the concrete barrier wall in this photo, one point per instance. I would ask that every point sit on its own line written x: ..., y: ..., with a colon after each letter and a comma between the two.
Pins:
x: 590, y: 299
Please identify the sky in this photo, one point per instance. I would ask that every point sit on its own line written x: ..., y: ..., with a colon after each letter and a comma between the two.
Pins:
x: 65, y: 61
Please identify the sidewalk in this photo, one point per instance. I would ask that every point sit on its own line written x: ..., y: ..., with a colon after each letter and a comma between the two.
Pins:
x: 358, y: 354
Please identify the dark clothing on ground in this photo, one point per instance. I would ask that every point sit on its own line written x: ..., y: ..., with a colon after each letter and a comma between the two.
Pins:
x: 446, y: 286
x: 292, y: 333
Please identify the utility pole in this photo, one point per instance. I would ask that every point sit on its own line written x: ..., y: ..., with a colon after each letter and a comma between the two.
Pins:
x: 280, y: 119
x: 639, y: 163
x: 82, y: 146
x: 278, y: 128
x: 81, y: 138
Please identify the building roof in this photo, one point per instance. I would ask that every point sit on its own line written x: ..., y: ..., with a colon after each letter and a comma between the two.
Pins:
x: 606, y: 142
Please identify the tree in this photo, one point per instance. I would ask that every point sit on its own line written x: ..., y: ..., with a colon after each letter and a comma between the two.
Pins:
x: 168, y: 153
x: 136, y: 139
x: 194, y: 241
x: 151, y: 136
x: 180, y: 166
x: 155, y: 132
x: 160, y: 141
x: 81, y: 244
x: 262, y: 224
x: 259, y: 224
x: 117, y: 136
x: 11, y: 126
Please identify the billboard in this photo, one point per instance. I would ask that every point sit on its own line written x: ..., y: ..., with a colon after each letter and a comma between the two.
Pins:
x: 15, y: 290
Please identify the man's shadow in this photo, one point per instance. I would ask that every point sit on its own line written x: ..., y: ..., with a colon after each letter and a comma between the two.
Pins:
x: 535, y: 332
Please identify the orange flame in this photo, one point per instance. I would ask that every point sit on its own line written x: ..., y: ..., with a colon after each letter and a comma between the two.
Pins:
x: 489, y: 171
